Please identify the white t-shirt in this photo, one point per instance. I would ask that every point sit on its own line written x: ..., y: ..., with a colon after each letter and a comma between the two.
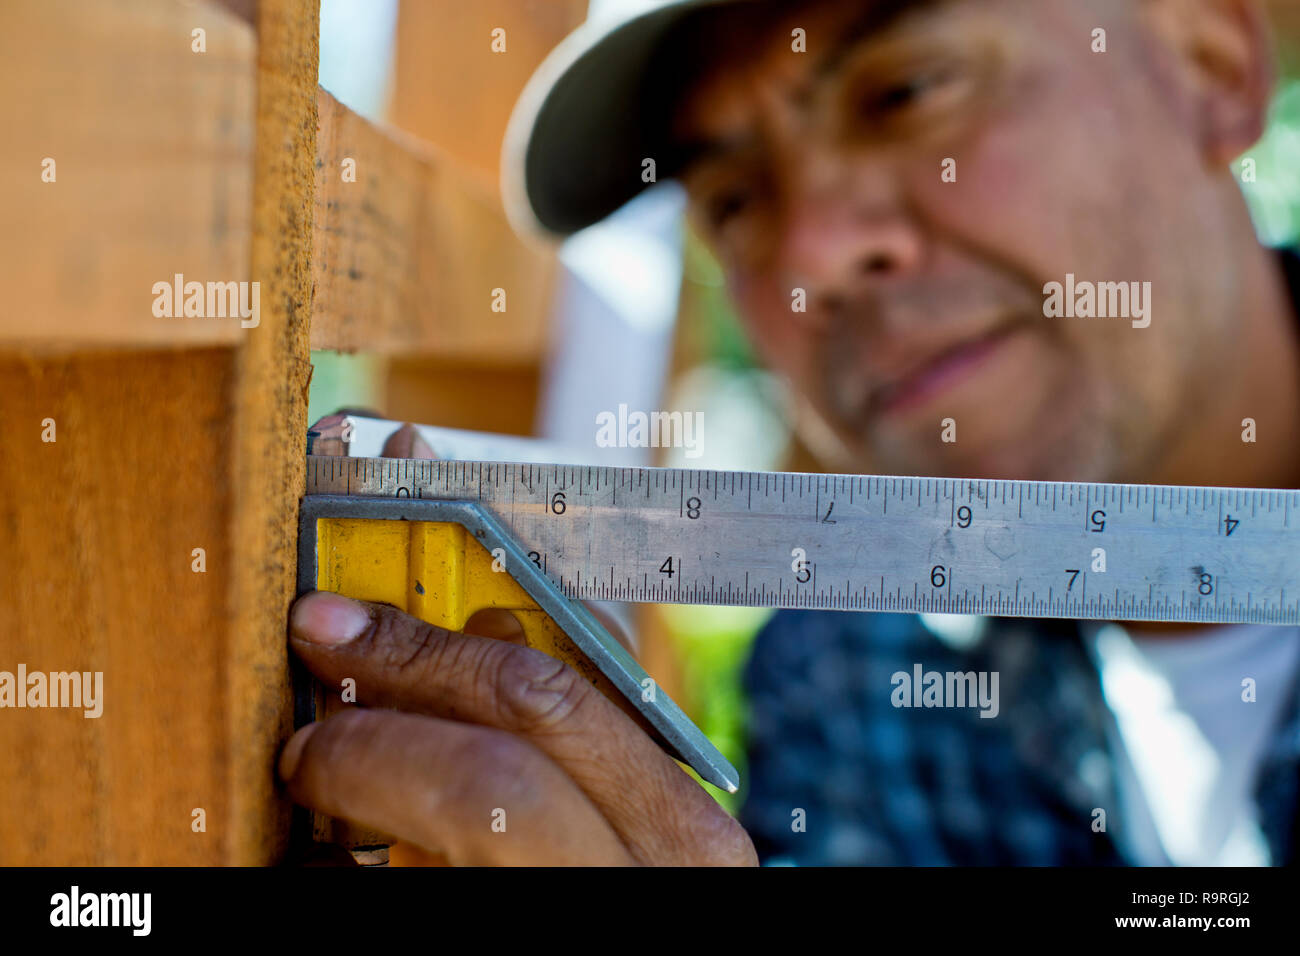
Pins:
x: 1187, y: 742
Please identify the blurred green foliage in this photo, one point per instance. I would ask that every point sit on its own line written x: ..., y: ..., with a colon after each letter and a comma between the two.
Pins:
x: 713, y: 643
x: 1274, y: 197
x: 342, y: 380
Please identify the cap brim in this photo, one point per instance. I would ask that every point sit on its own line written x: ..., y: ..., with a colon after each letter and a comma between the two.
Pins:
x: 578, y: 136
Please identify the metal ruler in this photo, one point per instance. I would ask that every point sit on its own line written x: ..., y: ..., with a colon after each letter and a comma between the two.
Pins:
x: 863, y: 543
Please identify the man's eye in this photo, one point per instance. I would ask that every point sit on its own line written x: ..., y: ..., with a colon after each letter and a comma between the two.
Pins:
x: 727, y: 205
x: 892, y: 97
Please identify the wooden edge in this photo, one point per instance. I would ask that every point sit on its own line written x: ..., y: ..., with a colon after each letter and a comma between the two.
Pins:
x: 273, y: 372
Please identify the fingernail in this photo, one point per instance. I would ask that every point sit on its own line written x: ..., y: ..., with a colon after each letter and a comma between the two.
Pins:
x: 325, y: 618
x: 292, y: 752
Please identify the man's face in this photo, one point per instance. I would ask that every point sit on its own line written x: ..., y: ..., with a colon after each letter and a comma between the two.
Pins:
x: 924, y: 298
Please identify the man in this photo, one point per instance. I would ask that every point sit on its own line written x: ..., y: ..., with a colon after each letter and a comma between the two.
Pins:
x: 919, y: 173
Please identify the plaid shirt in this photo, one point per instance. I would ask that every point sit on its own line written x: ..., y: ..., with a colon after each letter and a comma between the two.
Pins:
x: 881, y: 784
x: 941, y: 785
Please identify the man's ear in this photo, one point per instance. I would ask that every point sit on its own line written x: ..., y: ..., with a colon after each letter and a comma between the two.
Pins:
x: 1225, y: 52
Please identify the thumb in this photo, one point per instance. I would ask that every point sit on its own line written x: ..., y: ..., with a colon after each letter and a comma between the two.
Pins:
x: 407, y: 443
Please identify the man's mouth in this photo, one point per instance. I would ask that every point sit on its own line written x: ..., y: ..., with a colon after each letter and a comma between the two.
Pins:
x: 937, y: 374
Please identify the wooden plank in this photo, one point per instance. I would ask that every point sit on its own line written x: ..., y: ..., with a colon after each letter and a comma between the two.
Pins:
x: 273, y: 372
x: 99, y: 529
x: 449, y: 86
x: 407, y: 256
x: 152, y: 175
x: 491, y: 398
x: 158, y: 453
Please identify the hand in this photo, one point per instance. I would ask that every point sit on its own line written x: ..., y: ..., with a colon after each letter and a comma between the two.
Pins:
x: 464, y: 731
x: 478, y: 750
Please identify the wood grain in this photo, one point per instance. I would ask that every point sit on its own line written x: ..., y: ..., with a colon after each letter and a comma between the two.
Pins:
x: 270, y: 401
x: 152, y: 145
x: 159, y: 452
x: 407, y: 257
x: 491, y: 398
x: 451, y: 89
x: 99, y: 527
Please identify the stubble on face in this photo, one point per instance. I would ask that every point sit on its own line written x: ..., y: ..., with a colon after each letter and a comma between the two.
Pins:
x: 1059, y: 163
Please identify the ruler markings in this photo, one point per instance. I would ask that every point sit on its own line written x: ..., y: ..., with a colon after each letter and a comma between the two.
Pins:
x: 742, y: 555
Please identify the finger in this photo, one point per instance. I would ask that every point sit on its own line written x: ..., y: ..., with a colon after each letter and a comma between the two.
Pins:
x: 406, y: 443
x: 617, y: 620
x: 403, y: 663
x: 408, y: 854
x: 327, y: 436
x: 472, y: 794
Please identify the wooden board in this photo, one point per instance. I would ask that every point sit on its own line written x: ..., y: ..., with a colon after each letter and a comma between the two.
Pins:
x: 154, y: 178
x: 270, y: 405
x: 97, y: 572
x: 407, y: 256
x: 153, y: 174
x: 492, y: 398
x: 183, y: 434
x: 449, y: 86
x: 160, y: 452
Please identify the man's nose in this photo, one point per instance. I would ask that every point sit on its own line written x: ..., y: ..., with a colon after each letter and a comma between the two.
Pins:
x: 847, y: 232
